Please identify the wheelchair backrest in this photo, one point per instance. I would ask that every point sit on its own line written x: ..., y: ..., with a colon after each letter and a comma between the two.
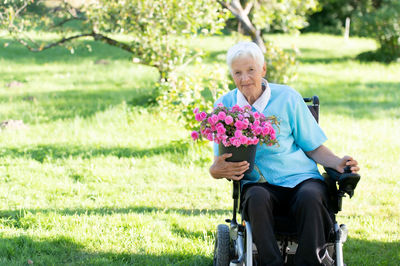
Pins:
x: 314, y: 106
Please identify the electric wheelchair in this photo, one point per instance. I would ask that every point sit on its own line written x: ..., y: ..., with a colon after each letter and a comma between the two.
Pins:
x: 234, y: 245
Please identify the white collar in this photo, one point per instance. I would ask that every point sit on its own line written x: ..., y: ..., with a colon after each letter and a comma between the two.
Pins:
x: 260, y: 103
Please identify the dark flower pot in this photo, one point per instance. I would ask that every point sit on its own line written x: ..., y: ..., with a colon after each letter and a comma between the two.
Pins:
x: 239, y: 154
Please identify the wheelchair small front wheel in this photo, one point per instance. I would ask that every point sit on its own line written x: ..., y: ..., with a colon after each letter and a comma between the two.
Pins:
x: 222, y: 246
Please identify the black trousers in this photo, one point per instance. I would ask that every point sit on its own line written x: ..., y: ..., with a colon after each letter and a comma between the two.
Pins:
x: 307, y: 203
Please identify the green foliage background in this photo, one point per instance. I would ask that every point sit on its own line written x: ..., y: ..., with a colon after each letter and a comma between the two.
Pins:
x: 102, y: 175
x: 98, y: 180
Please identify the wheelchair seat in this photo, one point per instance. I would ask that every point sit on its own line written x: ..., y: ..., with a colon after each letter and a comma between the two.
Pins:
x: 234, y: 245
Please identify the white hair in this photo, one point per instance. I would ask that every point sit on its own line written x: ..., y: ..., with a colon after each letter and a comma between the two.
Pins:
x: 244, y: 49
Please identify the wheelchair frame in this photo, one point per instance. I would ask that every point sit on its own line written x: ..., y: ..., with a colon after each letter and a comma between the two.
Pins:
x: 234, y: 244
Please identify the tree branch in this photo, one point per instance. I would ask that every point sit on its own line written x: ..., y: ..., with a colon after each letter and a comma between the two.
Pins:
x: 248, y: 7
x: 63, y: 40
x: 123, y: 46
x: 223, y: 3
x: 231, y: 7
x: 236, y: 9
x: 96, y: 36
x: 20, y: 9
x: 237, y: 5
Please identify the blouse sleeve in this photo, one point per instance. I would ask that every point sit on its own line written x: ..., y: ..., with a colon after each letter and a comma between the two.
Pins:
x: 307, y: 134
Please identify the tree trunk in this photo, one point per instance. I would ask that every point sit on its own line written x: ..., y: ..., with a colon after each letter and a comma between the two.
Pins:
x: 235, y: 7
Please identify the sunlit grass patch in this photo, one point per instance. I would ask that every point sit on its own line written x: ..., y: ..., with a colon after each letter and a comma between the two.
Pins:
x: 100, y: 176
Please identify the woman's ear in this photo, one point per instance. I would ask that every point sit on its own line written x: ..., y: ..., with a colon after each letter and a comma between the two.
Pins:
x: 264, y: 69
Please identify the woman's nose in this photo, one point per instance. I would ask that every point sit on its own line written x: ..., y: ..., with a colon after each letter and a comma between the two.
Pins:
x: 244, y: 77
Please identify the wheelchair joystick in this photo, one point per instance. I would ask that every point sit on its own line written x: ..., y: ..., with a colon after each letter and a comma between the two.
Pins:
x: 348, y: 181
x: 347, y: 169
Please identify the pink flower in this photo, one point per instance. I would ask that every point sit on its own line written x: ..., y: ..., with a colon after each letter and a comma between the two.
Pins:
x: 221, y: 116
x: 226, y: 143
x: 240, y: 125
x: 256, y: 115
x: 220, y: 105
x: 243, y: 140
x: 258, y: 130
x: 235, y: 142
x: 214, y: 119
x: 238, y: 133
x: 195, y: 135
x: 198, y: 117
x: 196, y: 110
x: 210, y: 137
x: 228, y: 120
x: 254, y: 141
x: 203, y: 115
x: 240, y: 117
x: 236, y: 108
x: 266, y: 130
x: 221, y: 130
x: 246, y: 123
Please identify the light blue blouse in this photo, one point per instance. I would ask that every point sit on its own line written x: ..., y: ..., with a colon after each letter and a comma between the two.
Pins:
x: 287, y: 164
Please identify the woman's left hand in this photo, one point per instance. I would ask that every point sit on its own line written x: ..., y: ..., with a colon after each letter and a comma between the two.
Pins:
x: 348, y: 161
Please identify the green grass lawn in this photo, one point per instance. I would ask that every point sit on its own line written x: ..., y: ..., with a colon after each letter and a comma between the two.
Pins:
x: 99, y: 177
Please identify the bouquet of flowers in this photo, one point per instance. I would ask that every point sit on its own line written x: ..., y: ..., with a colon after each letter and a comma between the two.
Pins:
x: 235, y: 127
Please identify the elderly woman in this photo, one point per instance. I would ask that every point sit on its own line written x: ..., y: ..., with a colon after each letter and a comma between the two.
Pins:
x: 284, y: 176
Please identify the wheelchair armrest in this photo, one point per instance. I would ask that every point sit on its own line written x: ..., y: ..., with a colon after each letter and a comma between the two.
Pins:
x: 347, y: 181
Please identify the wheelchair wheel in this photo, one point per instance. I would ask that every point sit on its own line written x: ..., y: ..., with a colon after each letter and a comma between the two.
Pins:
x: 222, y: 246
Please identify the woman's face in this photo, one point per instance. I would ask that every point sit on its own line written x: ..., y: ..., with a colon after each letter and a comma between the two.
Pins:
x: 247, y: 75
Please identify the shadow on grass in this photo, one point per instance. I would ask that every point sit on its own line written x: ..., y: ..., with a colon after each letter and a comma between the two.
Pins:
x: 378, y: 55
x: 54, y: 152
x: 79, y: 103
x: 371, y: 252
x: 324, y: 60
x: 17, y: 250
x: 62, y: 250
x: 17, y: 53
x: 307, y: 56
x: 370, y: 100
x: 13, y: 216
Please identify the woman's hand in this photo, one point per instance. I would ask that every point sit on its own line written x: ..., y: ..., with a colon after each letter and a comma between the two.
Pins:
x: 348, y: 161
x: 325, y: 157
x: 228, y: 170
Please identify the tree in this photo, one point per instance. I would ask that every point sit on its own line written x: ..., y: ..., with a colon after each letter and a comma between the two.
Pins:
x: 259, y: 16
x: 380, y: 19
x: 331, y: 16
x: 152, y: 26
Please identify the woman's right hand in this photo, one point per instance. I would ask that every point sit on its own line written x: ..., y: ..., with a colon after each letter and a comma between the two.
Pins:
x: 228, y: 170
